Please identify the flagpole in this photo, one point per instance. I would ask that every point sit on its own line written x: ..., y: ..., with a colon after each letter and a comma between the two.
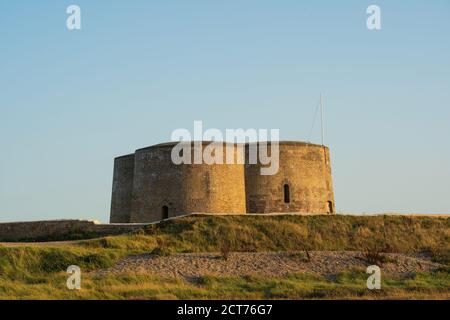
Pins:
x: 321, y: 117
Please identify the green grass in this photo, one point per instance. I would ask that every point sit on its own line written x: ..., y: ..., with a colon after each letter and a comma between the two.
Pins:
x: 296, y: 286
x: 279, y: 233
x: 38, y: 271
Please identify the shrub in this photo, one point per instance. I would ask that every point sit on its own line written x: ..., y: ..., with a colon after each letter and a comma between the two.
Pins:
x: 374, y: 256
x: 158, y: 251
x: 225, y: 250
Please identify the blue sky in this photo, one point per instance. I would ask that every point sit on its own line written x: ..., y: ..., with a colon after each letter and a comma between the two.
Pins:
x: 71, y: 101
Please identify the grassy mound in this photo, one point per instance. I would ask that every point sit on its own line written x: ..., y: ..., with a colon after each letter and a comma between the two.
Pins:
x: 281, y: 233
x: 240, y: 233
x: 42, y: 267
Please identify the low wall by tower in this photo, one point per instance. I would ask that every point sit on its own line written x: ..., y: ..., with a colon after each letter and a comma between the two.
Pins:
x: 55, y: 230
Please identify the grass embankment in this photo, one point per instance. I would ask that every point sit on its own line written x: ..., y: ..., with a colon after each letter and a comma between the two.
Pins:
x: 39, y: 271
x: 347, y: 285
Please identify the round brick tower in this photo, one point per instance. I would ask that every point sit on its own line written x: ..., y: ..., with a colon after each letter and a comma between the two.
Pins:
x: 302, y: 184
x: 162, y: 189
x: 148, y: 186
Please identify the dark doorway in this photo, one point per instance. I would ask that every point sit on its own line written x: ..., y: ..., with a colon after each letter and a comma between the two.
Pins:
x: 287, y: 195
x: 165, y: 212
x: 330, y: 207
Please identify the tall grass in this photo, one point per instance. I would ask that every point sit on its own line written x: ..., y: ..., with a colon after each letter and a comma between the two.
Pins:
x: 239, y: 233
x: 282, y: 233
x: 347, y: 285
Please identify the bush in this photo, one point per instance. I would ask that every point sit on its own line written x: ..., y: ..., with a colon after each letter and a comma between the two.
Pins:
x: 225, y: 250
x: 374, y: 256
x: 438, y: 255
x: 161, y: 252
x: 302, y: 255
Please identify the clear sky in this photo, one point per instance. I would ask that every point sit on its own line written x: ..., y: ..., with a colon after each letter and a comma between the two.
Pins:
x: 71, y: 101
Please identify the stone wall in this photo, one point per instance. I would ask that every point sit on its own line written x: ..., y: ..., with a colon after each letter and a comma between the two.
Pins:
x: 122, y: 189
x: 185, y: 188
x: 303, y: 183
x: 55, y: 230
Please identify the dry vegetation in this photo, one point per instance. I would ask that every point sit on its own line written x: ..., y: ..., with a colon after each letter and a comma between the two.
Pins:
x: 38, y: 271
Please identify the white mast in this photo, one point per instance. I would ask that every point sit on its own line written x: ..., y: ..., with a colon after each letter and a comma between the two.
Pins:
x: 321, y: 118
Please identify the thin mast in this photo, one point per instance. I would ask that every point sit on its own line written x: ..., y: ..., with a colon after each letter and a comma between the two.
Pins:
x: 321, y: 118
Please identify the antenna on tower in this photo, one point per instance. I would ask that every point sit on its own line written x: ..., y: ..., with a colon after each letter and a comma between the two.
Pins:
x: 319, y: 106
x: 321, y: 120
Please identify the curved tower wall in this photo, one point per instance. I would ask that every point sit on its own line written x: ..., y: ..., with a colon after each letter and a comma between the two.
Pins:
x: 122, y: 189
x: 304, y: 174
x: 162, y: 189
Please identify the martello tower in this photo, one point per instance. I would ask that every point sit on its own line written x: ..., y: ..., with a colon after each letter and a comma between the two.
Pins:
x: 148, y: 186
